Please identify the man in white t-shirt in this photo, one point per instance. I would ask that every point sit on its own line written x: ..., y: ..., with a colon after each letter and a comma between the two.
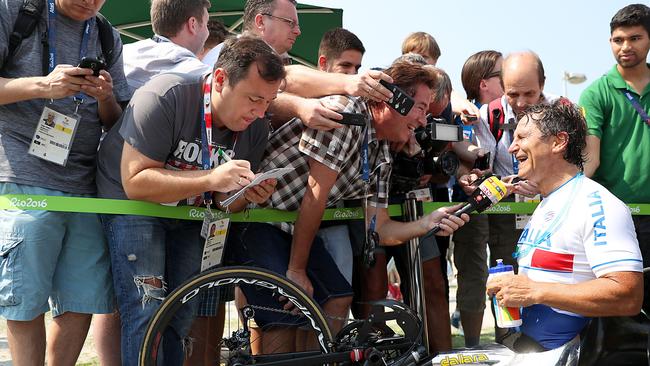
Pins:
x: 180, y: 30
x: 578, y: 256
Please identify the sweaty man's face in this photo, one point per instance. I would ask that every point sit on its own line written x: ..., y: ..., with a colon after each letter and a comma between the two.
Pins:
x: 237, y: 107
x: 531, y: 150
x: 400, y: 128
x: 630, y: 45
x: 348, y: 63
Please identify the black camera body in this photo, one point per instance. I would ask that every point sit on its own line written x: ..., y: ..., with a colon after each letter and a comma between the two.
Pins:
x: 433, y: 159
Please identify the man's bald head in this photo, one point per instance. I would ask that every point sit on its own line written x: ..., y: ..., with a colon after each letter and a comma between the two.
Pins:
x: 522, y: 77
x: 524, y: 62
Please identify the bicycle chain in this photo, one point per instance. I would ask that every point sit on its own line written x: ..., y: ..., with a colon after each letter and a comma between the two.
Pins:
x: 287, y: 312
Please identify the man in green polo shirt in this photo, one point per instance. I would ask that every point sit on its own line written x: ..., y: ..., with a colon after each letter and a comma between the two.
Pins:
x: 616, y: 108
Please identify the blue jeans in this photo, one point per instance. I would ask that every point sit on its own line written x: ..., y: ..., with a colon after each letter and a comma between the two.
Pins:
x: 266, y: 246
x: 151, y: 257
x: 337, y: 242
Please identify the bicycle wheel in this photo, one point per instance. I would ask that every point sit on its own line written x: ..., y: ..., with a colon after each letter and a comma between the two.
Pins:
x: 235, y: 347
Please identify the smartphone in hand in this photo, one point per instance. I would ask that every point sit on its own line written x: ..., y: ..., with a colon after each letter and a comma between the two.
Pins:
x: 470, y: 117
x: 92, y: 63
x: 354, y: 119
x: 482, y: 163
x: 401, y: 102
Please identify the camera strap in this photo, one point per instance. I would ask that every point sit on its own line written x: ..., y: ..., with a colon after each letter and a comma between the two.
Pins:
x: 515, y: 162
x: 50, y: 46
x: 637, y: 106
x: 365, y: 176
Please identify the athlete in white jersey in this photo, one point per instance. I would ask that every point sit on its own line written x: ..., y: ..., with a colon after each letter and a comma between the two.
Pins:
x: 578, y: 256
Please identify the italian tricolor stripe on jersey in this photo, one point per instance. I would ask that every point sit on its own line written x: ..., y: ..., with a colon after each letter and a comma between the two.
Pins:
x: 544, y: 259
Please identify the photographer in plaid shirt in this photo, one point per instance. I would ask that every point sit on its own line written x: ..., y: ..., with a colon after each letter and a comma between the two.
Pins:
x: 328, y: 168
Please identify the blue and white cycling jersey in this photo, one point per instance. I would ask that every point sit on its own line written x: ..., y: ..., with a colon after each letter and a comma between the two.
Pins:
x: 578, y: 233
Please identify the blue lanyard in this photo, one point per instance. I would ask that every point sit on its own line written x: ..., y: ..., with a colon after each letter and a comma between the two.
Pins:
x: 559, y: 219
x: 365, y: 174
x: 515, y: 162
x: 51, y: 40
x: 635, y: 103
x: 365, y: 166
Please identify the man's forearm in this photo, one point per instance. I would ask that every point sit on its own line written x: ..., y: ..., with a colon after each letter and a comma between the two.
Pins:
x: 20, y: 89
x: 109, y: 112
x: 311, y: 83
x: 592, y: 155
x: 306, y: 227
x: 283, y: 108
x: 393, y: 232
x: 465, y: 150
x: 621, y: 296
x: 161, y: 185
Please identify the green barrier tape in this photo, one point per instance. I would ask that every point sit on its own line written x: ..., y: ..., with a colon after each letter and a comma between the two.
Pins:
x: 504, y: 208
x: 511, y: 208
x: 127, y: 207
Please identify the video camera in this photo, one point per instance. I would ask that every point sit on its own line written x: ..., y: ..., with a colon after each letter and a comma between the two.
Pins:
x: 433, y: 158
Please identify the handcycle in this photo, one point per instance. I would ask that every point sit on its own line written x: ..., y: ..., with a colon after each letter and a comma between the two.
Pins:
x: 393, y: 333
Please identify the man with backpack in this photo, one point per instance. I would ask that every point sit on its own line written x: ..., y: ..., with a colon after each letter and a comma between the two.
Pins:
x: 51, y: 118
x: 522, y: 78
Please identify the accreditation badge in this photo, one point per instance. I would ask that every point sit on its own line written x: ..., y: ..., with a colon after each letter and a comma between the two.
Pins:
x: 422, y: 194
x: 214, y: 244
x: 53, y: 136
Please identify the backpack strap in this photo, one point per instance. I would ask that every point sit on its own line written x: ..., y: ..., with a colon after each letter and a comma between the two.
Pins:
x: 105, y: 32
x: 496, y: 116
x: 29, y: 15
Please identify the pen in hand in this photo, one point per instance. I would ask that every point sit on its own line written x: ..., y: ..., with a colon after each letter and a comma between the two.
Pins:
x: 223, y: 155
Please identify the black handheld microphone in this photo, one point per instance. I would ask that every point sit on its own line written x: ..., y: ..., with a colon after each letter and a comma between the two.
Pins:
x: 489, y: 192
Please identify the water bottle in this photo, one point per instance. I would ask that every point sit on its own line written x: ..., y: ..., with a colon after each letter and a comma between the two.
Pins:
x: 507, y: 317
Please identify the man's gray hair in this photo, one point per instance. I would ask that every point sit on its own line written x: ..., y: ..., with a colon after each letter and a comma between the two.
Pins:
x: 254, y: 7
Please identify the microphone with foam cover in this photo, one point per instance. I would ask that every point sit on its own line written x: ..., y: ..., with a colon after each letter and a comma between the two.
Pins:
x: 489, y: 192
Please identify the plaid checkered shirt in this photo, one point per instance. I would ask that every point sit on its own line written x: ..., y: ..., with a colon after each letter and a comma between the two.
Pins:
x: 293, y: 144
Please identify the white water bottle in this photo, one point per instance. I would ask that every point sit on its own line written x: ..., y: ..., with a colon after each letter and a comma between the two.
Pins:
x: 507, y: 317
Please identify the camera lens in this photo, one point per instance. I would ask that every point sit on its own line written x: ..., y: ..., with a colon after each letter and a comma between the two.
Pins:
x: 447, y: 163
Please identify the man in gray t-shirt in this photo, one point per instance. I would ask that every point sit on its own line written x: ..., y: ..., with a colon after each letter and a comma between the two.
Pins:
x: 54, y: 255
x: 156, y: 154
